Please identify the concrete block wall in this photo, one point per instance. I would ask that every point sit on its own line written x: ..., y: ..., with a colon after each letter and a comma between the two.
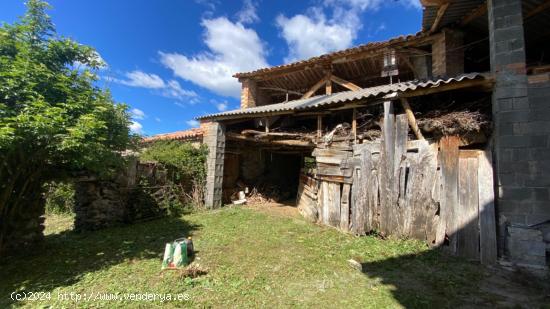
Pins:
x: 521, y: 115
x: 214, y: 139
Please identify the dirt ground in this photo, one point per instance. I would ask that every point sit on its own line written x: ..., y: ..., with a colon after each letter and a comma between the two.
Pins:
x: 284, y: 209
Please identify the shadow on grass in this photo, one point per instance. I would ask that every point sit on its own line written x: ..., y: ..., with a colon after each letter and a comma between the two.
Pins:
x: 428, y: 279
x: 434, y: 279
x: 64, y: 258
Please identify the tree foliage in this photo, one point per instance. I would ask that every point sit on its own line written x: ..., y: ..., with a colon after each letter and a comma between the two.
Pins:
x: 54, y: 119
x: 188, y: 161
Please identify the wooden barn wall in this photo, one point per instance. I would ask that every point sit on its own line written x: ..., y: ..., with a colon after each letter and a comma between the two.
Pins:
x: 411, y: 189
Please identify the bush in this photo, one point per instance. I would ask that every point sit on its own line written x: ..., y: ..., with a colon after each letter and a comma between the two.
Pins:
x: 59, y: 198
x: 186, y: 164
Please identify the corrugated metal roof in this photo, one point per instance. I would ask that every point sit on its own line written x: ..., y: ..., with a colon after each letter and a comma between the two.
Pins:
x: 341, y: 97
x: 336, y: 54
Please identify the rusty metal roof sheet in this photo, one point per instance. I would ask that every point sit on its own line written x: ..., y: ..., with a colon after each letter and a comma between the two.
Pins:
x: 342, y: 97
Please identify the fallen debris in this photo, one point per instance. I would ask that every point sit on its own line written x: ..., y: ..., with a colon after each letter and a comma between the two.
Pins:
x: 355, y: 264
x: 194, y: 270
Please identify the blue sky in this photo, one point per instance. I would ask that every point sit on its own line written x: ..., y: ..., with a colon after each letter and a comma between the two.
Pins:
x: 172, y: 60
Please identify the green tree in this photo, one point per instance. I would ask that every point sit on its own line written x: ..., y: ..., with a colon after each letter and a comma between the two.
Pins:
x: 54, y: 119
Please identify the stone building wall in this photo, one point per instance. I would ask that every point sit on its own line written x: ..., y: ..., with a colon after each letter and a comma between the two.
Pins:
x: 101, y: 203
x: 27, y: 226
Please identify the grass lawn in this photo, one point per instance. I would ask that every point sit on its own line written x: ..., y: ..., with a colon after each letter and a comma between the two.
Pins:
x: 254, y: 258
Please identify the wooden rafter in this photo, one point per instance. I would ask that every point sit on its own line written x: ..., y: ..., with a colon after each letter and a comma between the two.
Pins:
x: 314, y: 88
x: 281, y: 90
x: 538, y: 9
x: 290, y: 142
x: 344, y: 83
x: 475, y: 13
x: 433, y: 2
x: 440, y: 13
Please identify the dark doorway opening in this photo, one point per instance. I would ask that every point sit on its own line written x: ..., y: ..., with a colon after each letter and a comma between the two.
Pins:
x: 263, y: 172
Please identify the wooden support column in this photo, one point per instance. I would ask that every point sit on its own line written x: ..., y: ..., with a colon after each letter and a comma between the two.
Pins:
x: 354, y: 125
x: 411, y: 118
x: 328, y: 85
x: 266, y: 120
x: 319, y: 126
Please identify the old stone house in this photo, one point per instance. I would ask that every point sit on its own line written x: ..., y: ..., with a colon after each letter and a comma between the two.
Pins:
x: 442, y: 135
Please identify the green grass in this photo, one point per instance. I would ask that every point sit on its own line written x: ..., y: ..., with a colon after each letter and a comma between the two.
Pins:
x: 253, y: 259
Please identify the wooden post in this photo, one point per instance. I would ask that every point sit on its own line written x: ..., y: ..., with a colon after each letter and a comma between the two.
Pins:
x: 411, y: 119
x: 319, y: 126
x: 328, y: 85
x: 266, y: 124
x: 354, y: 126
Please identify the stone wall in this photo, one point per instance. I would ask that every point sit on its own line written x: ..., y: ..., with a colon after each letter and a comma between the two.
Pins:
x: 127, y: 198
x: 27, y: 226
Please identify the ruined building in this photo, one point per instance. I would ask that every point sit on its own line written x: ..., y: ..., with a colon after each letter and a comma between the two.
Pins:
x: 442, y: 135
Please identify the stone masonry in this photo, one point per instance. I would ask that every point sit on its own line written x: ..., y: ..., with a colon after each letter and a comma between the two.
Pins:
x: 522, y: 125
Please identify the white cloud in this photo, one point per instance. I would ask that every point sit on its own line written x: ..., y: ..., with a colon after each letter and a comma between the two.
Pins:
x: 170, y: 89
x: 232, y: 48
x: 136, y: 127
x: 137, y: 113
x: 157, y: 119
x: 143, y: 80
x: 316, y: 33
x: 412, y: 3
x: 248, y: 13
x: 174, y: 90
x: 193, y: 123
x: 221, y: 106
x: 312, y: 36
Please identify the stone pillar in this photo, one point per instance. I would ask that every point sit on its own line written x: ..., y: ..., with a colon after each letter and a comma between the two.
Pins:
x: 521, y: 141
x: 214, y: 138
x: 447, y: 56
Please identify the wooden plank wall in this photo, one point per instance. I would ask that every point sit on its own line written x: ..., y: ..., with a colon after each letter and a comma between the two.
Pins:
x: 429, y: 191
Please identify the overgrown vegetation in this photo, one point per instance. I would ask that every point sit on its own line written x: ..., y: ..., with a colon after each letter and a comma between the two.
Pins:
x: 188, y: 161
x: 59, y: 198
x: 54, y: 120
x: 186, y: 164
x: 254, y: 259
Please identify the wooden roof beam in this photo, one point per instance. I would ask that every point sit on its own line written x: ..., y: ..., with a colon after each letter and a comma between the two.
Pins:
x: 281, y: 90
x: 314, y: 88
x: 440, y: 13
x: 475, y: 13
x: 433, y: 2
x: 545, y: 5
x: 344, y: 83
